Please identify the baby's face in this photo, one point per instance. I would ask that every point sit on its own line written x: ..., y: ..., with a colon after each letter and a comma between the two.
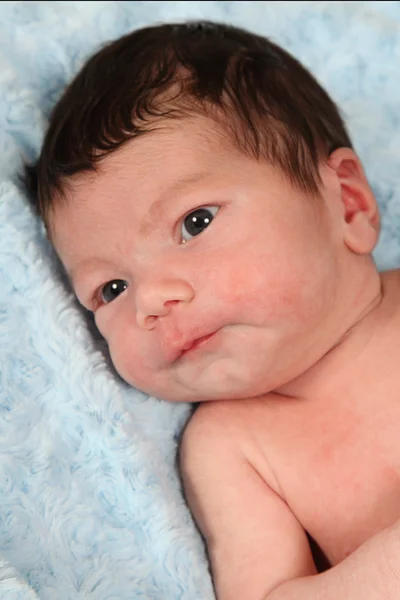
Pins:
x: 210, y: 276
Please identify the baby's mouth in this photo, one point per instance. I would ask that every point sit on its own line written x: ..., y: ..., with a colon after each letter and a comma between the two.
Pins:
x: 193, y: 345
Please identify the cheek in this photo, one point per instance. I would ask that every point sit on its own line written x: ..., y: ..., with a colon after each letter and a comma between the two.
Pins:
x: 255, y: 282
x: 113, y: 324
x: 126, y: 362
x: 270, y: 288
x: 127, y: 358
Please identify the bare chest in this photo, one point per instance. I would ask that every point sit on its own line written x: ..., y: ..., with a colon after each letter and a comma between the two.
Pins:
x: 340, y: 474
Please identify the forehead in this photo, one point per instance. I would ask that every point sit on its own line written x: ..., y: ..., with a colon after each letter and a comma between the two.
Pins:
x: 174, y: 155
x: 172, y: 151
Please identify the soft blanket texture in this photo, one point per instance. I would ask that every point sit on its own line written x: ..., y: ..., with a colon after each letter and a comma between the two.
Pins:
x: 90, y: 499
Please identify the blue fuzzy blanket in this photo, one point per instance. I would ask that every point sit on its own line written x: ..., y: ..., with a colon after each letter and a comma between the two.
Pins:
x: 90, y: 498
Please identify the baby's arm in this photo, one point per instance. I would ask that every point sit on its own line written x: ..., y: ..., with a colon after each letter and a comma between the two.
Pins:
x: 372, y: 572
x: 254, y: 541
x: 257, y: 548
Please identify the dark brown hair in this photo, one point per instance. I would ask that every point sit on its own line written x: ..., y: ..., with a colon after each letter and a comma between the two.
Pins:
x: 269, y: 104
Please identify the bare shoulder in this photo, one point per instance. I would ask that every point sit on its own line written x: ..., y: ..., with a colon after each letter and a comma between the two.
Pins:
x: 230, y: 416
x: 391, y: 275
x: 231, y: 427
x: 241, y: 425
x: 390, y: 281
x: 254, y: 541
x: 223, y: 417
x: 214, y: 430
x: 389, y: 309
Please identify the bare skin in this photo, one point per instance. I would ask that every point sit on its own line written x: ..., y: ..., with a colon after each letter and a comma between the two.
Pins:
x: 298, y: 428
x: 328, y: 464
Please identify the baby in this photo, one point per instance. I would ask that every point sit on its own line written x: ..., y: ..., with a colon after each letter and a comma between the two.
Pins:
x: 202, y: 193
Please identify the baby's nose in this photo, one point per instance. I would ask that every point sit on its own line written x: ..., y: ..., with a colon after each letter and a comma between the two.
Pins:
x: 154, y: 300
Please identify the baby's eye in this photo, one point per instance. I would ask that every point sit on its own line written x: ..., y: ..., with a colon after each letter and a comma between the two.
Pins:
x: 112, y: 290
x: 196, y: 221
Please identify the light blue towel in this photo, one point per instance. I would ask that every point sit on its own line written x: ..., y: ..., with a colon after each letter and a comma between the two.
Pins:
x: 90, y: 499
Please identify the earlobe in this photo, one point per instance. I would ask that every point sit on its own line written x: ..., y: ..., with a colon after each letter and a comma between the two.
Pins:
x: 360, y: 214
x: 360, y: 235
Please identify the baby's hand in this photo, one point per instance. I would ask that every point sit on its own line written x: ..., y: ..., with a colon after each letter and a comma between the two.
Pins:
x: 372, y: 572
x: 391, y: 554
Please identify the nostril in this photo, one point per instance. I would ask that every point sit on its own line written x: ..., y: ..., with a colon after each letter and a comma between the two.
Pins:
x: 170, y: 303
x: 150, y: 321
x: 146, y: 321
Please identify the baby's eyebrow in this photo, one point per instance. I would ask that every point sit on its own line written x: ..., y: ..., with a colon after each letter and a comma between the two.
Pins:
x: 160, y: 205
x: 82, y: 269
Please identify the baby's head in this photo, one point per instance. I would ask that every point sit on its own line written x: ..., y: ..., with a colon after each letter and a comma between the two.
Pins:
x: 200, y: 189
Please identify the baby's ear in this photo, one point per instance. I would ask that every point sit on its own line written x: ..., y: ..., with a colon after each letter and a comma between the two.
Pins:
x: 361, y: 220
